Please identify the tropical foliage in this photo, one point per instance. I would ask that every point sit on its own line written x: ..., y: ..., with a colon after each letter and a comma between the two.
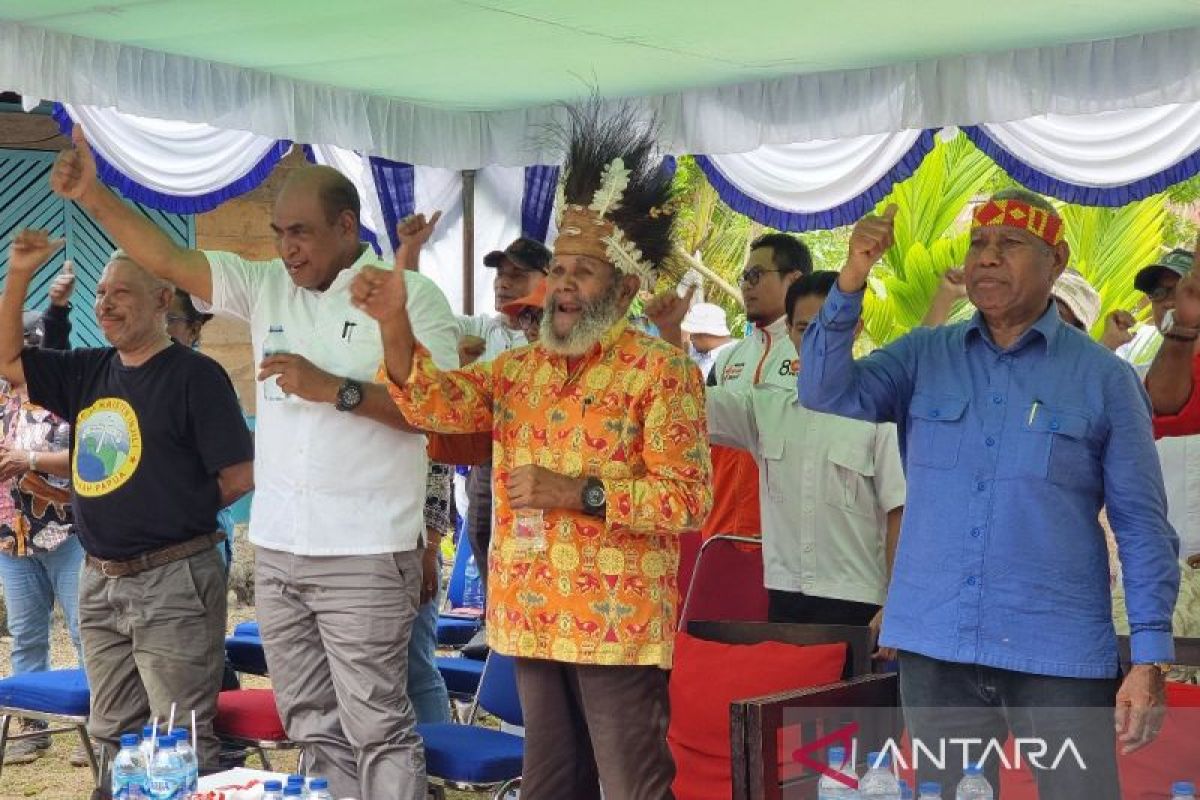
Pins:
x: 1108, y: 245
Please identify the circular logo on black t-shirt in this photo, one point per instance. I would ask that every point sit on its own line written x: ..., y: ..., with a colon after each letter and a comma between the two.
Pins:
x: 108, y: 447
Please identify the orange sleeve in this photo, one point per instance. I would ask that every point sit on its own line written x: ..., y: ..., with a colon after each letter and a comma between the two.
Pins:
x: 675, y: 493
x: 458, y: 401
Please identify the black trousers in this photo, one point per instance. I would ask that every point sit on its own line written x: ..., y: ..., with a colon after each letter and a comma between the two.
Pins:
x: 800, y: 607
x: 945, y: 701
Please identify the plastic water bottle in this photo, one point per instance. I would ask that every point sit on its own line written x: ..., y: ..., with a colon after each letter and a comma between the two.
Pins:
x: 166, y: 773
x: 272, y: 790
x: 147, y: 745
x: 187, y: 759
x: 275, y: 344
x: 829, y: 788
x: 318, y: 789
x: 292, y: 790
x: 930, y: 790
x: 295, y: 781
x: 472, y: 587
x: 128, y: 770
x: 1183, y: 790
x: 973, y: 786
x: 878, y: 782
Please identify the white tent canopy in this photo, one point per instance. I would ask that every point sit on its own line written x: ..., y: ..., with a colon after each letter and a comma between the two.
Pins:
x: 464, y: 85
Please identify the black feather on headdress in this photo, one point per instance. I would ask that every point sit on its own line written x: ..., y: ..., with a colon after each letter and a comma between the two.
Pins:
x: 598, y: 134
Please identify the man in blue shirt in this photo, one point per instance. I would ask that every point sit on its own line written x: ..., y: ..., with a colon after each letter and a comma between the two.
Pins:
x: 1015, y: 430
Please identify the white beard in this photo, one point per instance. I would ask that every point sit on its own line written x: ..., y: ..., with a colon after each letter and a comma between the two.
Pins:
x: 595, y: 319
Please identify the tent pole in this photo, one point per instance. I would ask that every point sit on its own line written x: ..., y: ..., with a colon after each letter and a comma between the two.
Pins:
x: 468, y: 243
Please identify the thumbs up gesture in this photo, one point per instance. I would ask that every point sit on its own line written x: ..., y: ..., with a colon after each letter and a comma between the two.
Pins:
x: 74, y: 172
x: 871, y: 236
x: 64, y: 285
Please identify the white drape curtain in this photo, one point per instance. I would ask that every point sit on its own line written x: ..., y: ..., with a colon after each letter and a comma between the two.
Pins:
x: 181, y: 159
x: 498, y: 193
x: 1110, y: 149
x: 815, y: 176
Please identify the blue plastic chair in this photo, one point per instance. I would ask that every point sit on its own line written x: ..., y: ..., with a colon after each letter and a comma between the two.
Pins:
x: 472, y: 757
x: 244, y: 649
x: 452, y: 630
x: 60, y: 697
x: 462, y: 676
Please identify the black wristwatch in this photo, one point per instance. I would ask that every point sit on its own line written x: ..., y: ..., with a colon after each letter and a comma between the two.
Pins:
x: 594, y: 498
x: 349, y: 395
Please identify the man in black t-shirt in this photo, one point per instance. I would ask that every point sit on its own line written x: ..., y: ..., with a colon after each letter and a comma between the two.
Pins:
x: 158, y: 446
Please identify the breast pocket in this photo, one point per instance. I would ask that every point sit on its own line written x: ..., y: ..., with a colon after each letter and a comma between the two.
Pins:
x: 849, y: 477
x: 1054, y: 445
x: 350, y: 343
x: 774, y: 468
x: 935, y: 425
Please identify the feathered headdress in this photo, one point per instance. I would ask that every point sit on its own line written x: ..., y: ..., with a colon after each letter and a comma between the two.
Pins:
x: 615, y: 201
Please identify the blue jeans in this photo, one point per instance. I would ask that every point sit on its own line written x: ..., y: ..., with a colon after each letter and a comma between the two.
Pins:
x: 426, y: 688
x: 31, y: 584
x: 948, y: 701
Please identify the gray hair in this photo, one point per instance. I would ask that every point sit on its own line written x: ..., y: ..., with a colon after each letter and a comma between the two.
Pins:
x: 154, y: 282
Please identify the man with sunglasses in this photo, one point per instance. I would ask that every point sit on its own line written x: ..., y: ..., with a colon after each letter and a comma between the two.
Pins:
x: 765, y: 355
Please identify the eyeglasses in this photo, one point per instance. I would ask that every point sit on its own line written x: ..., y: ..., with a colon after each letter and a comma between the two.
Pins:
x: 1160, y: 293
x: 752, y: 276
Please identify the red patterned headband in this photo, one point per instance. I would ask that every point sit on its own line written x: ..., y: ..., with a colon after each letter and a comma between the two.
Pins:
x: 1018, y: 214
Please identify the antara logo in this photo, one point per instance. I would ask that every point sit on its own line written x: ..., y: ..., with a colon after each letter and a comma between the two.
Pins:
x: 1033, y: 751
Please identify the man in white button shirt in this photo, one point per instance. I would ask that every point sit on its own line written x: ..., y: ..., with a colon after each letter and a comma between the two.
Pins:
x: 340, y: 476
x: 831, y: 488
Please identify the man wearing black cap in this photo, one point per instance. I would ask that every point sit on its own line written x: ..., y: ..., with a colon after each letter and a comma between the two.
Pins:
x: 520, y: 267
x: 1178, y: 455
x: 520, y: 271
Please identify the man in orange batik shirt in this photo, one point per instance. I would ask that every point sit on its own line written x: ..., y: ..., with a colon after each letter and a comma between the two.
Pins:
x: 600, y: 461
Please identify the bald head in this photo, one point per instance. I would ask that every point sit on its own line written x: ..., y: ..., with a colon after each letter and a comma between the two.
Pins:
x: 333, y: 190
x: 315, y: 220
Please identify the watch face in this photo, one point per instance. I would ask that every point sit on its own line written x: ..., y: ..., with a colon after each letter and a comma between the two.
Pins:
x: 350, y: 395
x: 595, y: 496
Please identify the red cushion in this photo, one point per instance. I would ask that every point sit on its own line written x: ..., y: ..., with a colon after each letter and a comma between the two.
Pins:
x: 249, y: 714
x: 707, y: 677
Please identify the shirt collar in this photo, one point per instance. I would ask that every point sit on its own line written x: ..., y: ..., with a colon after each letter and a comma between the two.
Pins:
x: 1047, y: 327
x: 366, y: 258
x: 777, y: 328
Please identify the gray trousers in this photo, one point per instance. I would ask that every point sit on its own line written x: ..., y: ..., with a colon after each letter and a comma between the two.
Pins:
x: 150, y: 640
x: 335, y: 631
x: 591, y: 727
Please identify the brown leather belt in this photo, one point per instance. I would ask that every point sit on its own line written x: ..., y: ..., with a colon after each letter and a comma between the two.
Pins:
x: 155, y: 558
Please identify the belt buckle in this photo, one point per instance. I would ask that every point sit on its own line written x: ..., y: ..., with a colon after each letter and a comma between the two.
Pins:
x: 104, y: 566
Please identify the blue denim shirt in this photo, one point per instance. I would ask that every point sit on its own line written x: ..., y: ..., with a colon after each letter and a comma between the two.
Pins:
x: 1010, y: 455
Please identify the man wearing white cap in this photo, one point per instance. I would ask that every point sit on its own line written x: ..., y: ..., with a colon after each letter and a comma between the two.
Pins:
x: 707, y: 335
